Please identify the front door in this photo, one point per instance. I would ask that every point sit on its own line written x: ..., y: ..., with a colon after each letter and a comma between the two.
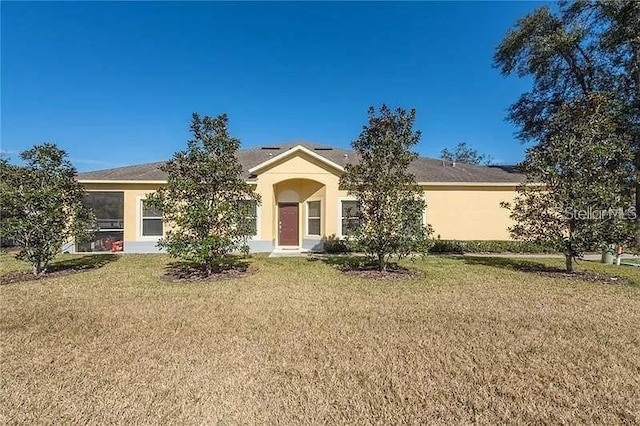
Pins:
x: 288, y: 224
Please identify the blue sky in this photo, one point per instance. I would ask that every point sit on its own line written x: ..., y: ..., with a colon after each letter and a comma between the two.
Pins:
x: 115, y: 83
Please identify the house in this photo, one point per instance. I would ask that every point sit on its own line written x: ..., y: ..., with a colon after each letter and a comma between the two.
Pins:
x: 301, y: 200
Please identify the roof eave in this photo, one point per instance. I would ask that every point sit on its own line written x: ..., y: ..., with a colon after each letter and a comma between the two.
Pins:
x: 297, y: 148
x: 147, y: 182
x: 121, y: 181
x: 505, y: 184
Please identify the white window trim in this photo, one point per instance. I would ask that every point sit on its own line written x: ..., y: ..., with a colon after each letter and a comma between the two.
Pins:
x: 424, y: 211
x: 340, y: 200
x: 306, y: 218
x: 426, y: 207
x: 350, y: 198
x: 141, y: 237
x: 256, y: 237
x: 258, y: 222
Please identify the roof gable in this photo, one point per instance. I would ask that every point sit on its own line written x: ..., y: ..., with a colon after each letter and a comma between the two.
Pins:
x: 295, y: 151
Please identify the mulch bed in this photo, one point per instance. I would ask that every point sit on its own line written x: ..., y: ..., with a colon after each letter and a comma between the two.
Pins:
x: 393, y: 272
x: 24, y: 276
x: 193, y: 274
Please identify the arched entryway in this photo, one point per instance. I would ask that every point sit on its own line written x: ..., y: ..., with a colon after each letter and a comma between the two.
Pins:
x: 298, y: 212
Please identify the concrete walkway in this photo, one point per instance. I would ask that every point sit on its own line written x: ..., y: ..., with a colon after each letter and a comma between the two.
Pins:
x: 587, y: 256
x: 289, y: 253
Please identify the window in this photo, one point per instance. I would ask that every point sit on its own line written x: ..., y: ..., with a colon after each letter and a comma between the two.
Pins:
x: 350, y: 216
x: 250, y: 214
x: 313, y: 218
x: 151, y: 220
x: 414, y: 212
x: 108, y: 208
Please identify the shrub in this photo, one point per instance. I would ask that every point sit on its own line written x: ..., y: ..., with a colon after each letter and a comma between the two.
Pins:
x: 207, y: 201
x: 334, y: 245
x: 491, y: 246
x: 41, y: 205
x: 447, y: 246
x: 391, y: 204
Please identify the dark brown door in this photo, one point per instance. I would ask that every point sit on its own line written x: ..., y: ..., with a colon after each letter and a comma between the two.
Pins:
x: 288, y: 224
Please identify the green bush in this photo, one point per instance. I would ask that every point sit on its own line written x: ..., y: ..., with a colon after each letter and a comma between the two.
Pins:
x: 447, y: 246
x: 489, y: 246
x: 335, y: 245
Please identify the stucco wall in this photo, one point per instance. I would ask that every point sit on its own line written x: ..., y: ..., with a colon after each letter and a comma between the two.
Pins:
x: 133, y: 193
x: 307, y: 177
x: 463, y: 212
x: 469, y: 213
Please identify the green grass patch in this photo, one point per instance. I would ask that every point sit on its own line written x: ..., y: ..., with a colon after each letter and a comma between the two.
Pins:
x: 298, y: 341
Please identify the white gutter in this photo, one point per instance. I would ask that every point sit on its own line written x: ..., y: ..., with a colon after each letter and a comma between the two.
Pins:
x: 122, y: 181
x: 497, y: 184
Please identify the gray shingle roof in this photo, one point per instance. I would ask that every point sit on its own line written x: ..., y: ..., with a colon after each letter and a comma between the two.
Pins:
x: 424, y: 169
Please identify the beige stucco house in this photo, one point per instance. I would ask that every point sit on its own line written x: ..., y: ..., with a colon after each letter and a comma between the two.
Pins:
x: 301, y: 201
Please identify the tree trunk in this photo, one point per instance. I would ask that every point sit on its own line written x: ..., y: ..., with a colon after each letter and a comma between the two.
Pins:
x: 382, y: 265
x: 637, y: 207
x: 636, y: 143
x: 38, y: 268
x: 568, y: 261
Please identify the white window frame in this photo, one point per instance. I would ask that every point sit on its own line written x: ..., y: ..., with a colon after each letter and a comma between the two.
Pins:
x: 258, y: 218
x: 258, y: 223
x: 306, y: 217
x: 139, y: 213
x: 340, y: 200
x: 256, y: 237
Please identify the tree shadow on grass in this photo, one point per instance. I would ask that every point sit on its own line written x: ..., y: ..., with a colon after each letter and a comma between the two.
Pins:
x: 65, y: 266
x: 343, y: 260
x: 539, y: 268
x: 232, y: 266
x: 364, y: 267
x: 523, y: 265
x: 79, y: 263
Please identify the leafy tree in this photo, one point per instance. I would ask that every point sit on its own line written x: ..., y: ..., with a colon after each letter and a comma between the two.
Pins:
x: 206, y: 201
x: 615, y: 27
x: 587, y: 48
x: 464, y: 153
x: 41, y: 205
x: 569, y: 202
x: 392, y: 203
x: 557, y: 52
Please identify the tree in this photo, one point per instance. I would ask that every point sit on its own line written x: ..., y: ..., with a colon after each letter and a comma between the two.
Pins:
x: 616, y: 29
x: 41, y: 205
x: 464, y: 153
x: 570, y: 201
x: 206, y: 201
x: 392, y: 203
x: 588, y: 48
x: 559, y: 55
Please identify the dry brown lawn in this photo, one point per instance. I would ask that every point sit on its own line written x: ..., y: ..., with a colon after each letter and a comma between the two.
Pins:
x: 298, y: 342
